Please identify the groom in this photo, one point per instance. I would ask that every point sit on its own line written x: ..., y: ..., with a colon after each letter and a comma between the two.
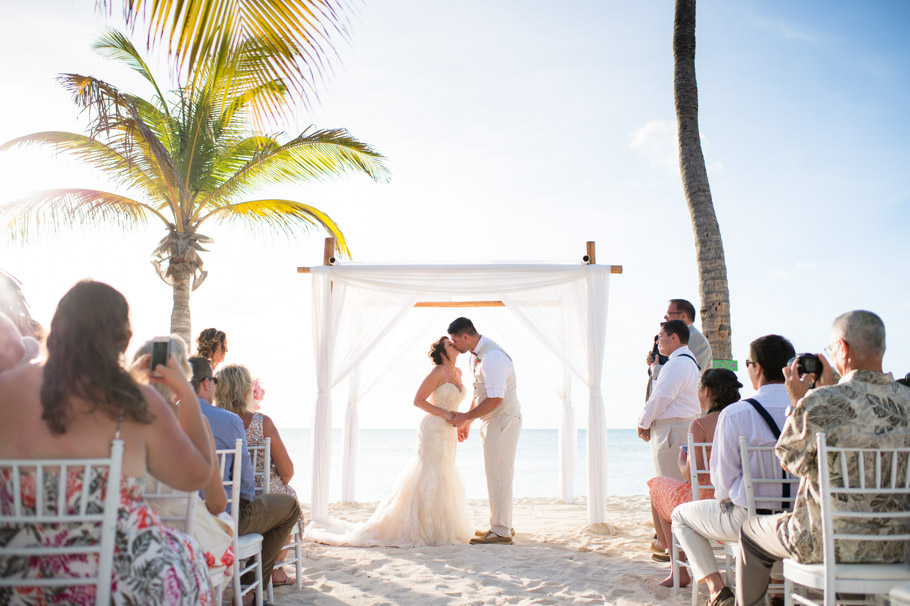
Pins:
x: 496, y: 404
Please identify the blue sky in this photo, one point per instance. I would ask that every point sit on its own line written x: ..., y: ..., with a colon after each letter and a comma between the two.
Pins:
x: 516, y: 132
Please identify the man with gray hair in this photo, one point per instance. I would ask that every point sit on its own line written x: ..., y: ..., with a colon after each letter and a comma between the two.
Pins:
x: 867, y: 408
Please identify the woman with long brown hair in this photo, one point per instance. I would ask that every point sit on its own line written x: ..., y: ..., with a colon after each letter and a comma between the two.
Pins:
x: 72, y: 407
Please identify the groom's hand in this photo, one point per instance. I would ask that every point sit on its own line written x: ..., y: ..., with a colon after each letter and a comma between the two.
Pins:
x: 644, y: 434
x: 458, y: 419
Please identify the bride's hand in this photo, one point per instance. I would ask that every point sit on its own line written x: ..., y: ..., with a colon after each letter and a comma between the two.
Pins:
x: 450, y: 416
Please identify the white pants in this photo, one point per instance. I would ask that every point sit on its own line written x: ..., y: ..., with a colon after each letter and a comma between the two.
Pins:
x: 667, y: 435
x: 500, y: 441
x: 698, y: 523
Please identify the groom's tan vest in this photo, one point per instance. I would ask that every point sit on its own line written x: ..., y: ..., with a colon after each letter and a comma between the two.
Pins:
x: 509, y: 404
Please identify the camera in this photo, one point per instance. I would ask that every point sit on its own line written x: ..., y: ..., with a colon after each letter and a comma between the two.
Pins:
x: 806, y: 363
x: 161, y: 351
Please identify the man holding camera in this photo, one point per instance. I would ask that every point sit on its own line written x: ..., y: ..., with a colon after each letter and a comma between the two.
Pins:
x: 867, y: 408
x: 679, y: 309
x: 674, y: 401
x: 758, y: 419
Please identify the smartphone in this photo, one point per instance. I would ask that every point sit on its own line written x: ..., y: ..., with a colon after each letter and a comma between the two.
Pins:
x: 161, y: 352
x: 685, y: 448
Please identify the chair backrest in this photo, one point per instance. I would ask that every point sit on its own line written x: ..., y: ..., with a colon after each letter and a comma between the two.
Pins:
x: 768, y: 479
x: 225, y: 456
x: 883, y: 473
x: 264, y: 453
x: 19, y: 511
x: 699, y: 478
x: 175, y: 508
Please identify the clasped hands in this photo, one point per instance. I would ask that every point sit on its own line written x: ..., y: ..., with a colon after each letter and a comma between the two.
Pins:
x: 460, y: 421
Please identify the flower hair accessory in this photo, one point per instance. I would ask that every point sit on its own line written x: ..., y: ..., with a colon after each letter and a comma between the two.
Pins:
x: 258, y: 391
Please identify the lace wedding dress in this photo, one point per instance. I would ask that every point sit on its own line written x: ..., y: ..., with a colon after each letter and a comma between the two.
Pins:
x: 427, y: 505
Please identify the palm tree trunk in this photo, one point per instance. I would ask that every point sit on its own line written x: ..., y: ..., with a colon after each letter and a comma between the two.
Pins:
x: 709, y: 249
x: 180, y: 314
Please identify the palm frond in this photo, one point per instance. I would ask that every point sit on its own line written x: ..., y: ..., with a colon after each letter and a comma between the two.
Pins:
x: 319, y: 155
x: 115, y: 45
x: 298, y: 33
x: 128, y: 171
x: 119, y: 120
x: 282, y: 216
x: 51, y: 210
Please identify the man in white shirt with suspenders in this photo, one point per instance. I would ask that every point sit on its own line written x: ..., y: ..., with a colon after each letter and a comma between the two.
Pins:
x: 496, y: 404
x: 674, y: 400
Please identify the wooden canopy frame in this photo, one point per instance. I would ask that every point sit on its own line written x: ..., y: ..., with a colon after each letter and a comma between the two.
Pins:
x: 328, y: 258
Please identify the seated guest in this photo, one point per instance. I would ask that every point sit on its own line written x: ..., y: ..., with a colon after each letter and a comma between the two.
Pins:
x: 867, y: 408
x: 73, y: 406
x: 271, y: 515
x: 717, y: 389
x: 212, y: 532
x: 211, y: 344
x: 234, y: 392
x: 699, y: 523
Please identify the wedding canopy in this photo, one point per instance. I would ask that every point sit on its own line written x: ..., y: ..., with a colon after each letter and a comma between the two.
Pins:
x: 564, y: 306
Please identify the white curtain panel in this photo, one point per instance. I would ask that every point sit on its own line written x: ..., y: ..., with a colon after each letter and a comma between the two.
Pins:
x: 564, y: 306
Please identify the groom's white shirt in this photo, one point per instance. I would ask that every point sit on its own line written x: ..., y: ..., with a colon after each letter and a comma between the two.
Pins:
x: 496, y: 368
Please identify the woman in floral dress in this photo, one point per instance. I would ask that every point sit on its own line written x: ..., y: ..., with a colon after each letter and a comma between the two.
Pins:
x: 72, y: 406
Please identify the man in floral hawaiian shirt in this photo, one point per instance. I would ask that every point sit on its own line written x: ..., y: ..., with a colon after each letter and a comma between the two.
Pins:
x: 866, y: 409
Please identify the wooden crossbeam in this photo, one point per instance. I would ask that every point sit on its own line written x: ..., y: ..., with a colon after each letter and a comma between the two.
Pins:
x: 459, y: 304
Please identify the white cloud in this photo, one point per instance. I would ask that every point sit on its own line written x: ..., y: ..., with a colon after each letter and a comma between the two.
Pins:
x: 791, y: 273
x: 656, y: 142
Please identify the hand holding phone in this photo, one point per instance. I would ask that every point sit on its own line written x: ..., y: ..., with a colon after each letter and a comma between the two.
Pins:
x: 161, y: 352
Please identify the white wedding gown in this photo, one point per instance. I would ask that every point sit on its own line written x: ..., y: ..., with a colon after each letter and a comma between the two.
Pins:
x: 427, y: 506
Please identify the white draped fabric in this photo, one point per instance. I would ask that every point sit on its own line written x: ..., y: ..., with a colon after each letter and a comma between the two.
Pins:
x: 564, y: 306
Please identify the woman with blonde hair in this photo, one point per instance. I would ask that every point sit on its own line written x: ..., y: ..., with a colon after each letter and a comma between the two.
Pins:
x: 234, y: 392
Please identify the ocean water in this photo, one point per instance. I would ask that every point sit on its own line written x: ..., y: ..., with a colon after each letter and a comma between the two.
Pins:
x: 385, y: 452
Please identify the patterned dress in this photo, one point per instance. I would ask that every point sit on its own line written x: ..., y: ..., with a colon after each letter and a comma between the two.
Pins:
x: 864, y: 410
x: 667, y: 493
x: 153, y: 563
x: 255, y: 437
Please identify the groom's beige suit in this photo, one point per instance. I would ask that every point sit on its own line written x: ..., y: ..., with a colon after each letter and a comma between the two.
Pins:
x: 494, y: 377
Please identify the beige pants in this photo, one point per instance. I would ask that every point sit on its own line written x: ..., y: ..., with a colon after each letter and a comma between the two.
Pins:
x: 500, y: 441
x: 666, y: 437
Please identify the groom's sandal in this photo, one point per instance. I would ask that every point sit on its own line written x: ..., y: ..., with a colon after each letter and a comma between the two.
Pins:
x: 483, y: 533
x: 491, y: 538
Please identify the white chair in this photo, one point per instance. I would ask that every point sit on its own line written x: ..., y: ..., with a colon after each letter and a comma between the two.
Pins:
x: 248, y: 546
x: 885, y: 471
x: 700, y: 480
x: 44, y: 470
x: 771, y: 475
x: 900, y: 595
x: 177, y: 509
x: 294, y: 543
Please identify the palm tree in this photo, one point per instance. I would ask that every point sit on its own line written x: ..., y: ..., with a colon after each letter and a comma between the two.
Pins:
x: 187, y: 162
x: 298, y: 34
x: 709, y: 249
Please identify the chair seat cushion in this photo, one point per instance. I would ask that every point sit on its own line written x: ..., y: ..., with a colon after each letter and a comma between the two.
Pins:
x: 859, y: 572
x: 248, y: 545
x: 900, y: 595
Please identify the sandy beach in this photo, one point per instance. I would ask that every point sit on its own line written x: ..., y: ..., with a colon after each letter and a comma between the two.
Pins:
x: 557, y: 558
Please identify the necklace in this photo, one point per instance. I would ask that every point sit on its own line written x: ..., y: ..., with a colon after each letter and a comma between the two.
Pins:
x: 448, y: 370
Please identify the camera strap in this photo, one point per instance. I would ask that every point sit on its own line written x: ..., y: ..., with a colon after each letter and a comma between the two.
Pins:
x: 696, y: 364
x: 774, y: 430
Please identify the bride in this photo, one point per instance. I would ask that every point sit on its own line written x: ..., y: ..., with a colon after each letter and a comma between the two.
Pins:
x: 427, y: 505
